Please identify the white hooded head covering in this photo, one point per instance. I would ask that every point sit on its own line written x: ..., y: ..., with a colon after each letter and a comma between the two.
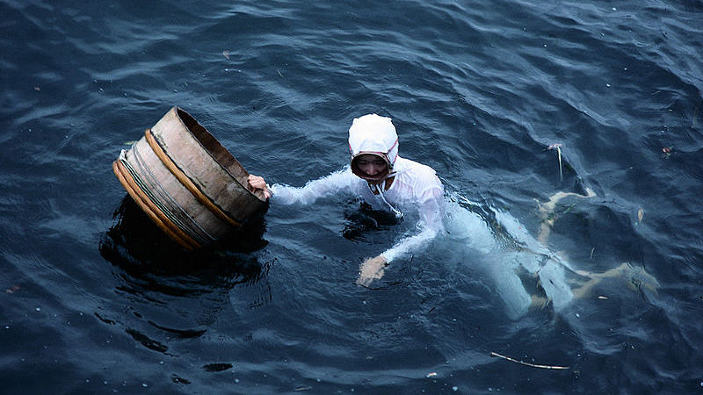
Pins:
x: 373, y: 135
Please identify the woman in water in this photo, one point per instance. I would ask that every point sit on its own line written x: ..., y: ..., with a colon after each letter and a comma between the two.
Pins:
x: 385, y: 181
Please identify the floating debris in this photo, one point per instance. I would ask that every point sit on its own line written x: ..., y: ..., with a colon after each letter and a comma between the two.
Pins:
x: 12, y: 289
x: 38, y: 89
x: 601, y: 297
x: 226, y: 53
x: 431, y: 374
x: 640, y: 215
x: 178, y: 380
x: 558, y: 148
x: 495, y: 354
x: 667, y: 151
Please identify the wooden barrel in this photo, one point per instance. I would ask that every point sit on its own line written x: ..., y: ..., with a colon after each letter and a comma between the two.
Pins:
x: 187, y: 182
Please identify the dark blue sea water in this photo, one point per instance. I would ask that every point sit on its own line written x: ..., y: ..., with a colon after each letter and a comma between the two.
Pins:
x: 95, y: 300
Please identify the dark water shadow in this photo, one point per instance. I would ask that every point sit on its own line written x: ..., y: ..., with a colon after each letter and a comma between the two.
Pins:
x: 150, y: 260
x: 159, y: 279
x: 361, y: 219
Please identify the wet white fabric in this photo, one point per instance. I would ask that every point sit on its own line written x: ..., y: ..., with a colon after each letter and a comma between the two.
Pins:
x: 539, y: 260
x: 472, y: 239
x: 415, y: 187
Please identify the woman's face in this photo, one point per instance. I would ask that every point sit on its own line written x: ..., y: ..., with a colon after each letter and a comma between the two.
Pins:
x: 371, y: 165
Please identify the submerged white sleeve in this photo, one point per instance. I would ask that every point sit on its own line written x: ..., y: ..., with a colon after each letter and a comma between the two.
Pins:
x: 341, y: 181
x: 431, y: 213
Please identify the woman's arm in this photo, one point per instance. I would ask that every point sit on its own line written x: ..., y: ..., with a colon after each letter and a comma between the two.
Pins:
x: 341, y: 181
x: 431, y: 213
x: 430, y: 225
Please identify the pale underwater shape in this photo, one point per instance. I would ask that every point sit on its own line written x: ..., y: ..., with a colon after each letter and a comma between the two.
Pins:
x: 538, y: 259
x: 502, y: 261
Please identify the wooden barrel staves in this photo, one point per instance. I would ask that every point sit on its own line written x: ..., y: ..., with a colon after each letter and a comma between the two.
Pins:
x: 187, y: 182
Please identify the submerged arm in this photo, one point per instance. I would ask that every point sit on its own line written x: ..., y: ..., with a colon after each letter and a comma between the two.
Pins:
x: 431, y: 213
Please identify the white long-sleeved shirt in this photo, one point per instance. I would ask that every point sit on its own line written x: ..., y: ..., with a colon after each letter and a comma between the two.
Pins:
x: 415, y: 187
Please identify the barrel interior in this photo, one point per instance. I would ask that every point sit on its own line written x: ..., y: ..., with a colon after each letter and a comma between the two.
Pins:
x: 215, y: 149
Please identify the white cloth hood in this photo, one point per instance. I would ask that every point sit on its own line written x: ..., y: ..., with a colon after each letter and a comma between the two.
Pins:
x: 374, y: 134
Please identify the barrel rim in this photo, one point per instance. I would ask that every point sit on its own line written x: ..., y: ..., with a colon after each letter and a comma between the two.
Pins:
x: 217, y: 145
